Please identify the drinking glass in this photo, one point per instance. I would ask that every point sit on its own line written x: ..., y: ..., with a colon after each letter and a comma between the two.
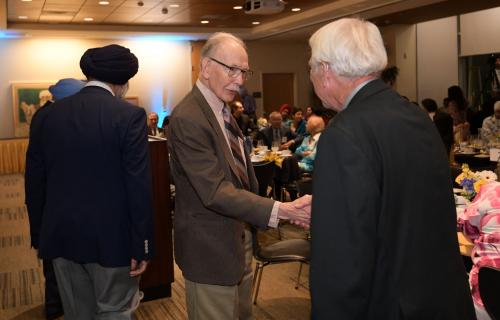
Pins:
x: 275, y: 146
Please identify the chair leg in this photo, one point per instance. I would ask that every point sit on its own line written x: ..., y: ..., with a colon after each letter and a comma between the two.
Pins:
x: 258, y: 273
x: 298, y: 276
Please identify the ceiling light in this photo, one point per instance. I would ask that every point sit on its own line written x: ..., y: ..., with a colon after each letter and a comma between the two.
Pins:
x: 238, y: 7
x: 174, y: 6
x: 204, y: 21
x: 23, y: 17
x: 26, y: 0
x: 88, y: 19
x: 256, y: 22
x: 296, y: 9
x: 103, y: 3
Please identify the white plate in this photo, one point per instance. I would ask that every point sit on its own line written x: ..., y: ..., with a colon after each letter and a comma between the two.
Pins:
x: 257, y: 158
x: 457, y: 190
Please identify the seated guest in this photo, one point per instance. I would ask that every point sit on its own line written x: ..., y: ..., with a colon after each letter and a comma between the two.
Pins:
x: 443, y: 122
x: 309, y: 112
x: 481, y: 224
x: 246, y: 125
x: 262, y: 121
x: 153, y: 129
x: 275, y: 132
x: 461, y: 128
x: 306, y: 152
x: 297, y: 128
x: 286, y: 110
x: 491, y: 125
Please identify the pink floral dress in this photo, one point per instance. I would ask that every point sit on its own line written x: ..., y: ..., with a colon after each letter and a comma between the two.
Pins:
x: 481, y: 224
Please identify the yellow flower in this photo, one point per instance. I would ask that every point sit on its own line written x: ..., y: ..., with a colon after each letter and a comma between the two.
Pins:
x: 478, y: 184
x: 459, y: 178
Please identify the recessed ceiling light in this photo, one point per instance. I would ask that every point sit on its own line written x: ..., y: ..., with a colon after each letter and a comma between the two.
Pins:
x: 88, y: 19
x: 256, y: 22
x: 238, y: 7
x: 204, y: 21
x: 296, y: 9
x: 23, y: 17
x: 103, y: 3
x: 26, y: 0
x: 174, y: 6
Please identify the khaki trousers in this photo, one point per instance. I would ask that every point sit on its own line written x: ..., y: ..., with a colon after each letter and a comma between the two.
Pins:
x: 213, y: 302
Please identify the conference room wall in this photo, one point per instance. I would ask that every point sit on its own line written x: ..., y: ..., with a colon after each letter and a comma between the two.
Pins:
x: 163, y: 79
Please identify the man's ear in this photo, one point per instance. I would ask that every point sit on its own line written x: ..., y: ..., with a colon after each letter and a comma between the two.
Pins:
x: 204, y: 68
x: 325, y: 74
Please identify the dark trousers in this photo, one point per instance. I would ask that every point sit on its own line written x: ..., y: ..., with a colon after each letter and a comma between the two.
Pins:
x: 53, y: 304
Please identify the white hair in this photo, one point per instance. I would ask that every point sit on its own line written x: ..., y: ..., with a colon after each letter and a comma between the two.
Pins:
x: 216, y: 39
x: 496, y: 106
x: 352, y: 47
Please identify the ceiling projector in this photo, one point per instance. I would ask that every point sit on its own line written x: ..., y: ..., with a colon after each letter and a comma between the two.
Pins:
x: 264, y: 6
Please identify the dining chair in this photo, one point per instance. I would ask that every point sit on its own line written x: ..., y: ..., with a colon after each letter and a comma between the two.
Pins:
x: 489, y: 284
x: 284, y: 251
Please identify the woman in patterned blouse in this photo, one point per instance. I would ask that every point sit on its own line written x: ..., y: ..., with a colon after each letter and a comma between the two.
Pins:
x: 481, y: 224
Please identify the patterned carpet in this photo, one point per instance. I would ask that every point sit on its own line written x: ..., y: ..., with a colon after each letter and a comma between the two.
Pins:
x: 22, y: 281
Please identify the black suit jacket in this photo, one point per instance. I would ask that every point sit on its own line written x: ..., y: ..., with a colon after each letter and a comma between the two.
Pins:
x: 88, y: 185
x: 266, y: 135
x: 384, y: 242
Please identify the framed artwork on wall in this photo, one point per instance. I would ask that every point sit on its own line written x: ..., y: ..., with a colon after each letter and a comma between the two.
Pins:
x: 27, y: 98
x: 133, y: 100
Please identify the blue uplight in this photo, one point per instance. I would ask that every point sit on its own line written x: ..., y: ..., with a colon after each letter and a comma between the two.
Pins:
x: 10, y: 35
x: 165, y: 37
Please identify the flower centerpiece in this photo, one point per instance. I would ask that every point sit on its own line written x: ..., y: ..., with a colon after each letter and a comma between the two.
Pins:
x: 471, y: 181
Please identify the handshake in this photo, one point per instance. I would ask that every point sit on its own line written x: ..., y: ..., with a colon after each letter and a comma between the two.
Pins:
x: 297, y: 212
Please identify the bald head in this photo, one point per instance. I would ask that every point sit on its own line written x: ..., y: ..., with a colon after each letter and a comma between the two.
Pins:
x: 275, y: 119
x: 315, y: 125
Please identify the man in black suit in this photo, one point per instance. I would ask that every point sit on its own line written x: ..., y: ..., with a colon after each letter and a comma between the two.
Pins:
x: 275, y: 132
x: 88, y: 190
x: 383, y: 228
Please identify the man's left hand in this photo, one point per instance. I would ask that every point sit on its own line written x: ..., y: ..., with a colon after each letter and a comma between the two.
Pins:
x: 137, y: 269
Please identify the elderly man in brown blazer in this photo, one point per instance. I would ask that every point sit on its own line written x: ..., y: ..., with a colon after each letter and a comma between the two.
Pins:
x: 216, y: 189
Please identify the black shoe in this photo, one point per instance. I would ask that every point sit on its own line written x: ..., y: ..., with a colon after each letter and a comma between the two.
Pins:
x: 53, y: 314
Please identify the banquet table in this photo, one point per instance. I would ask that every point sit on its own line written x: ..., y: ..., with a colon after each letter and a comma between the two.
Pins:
x: 475, y: 160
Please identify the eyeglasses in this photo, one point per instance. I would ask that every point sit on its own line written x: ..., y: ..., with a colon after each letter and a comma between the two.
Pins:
x: 234, y: 72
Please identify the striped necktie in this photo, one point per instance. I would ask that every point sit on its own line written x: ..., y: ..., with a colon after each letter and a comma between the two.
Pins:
x: 233, y: 132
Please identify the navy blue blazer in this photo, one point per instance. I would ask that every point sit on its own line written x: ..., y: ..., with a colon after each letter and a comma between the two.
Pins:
x: 88, y: 183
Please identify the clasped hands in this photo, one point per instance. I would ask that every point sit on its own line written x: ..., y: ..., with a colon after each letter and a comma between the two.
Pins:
x: 297, y: 212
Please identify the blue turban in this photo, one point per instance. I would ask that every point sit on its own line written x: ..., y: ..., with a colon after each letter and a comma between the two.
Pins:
x: 66, y: 87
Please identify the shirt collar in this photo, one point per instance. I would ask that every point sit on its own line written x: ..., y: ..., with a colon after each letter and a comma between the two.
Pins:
x: 356, y: 90
x: 96, y: 83
x: 214, y: 102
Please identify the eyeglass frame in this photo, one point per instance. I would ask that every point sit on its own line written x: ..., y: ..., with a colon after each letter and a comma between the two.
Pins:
x: 234, y: 72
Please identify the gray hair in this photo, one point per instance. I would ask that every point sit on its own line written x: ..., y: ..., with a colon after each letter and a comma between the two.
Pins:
x: 352, y: 47
x: 216, y: 39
